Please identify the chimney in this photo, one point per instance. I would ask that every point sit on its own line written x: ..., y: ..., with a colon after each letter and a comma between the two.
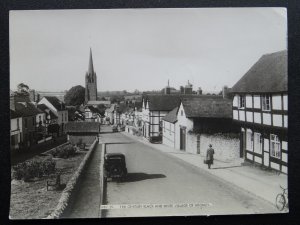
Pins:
x: 32, y: 95
x: 199, y: 92
x: 188, y: 89
x: 38, y: 97
x: 225, y: 91
x: 181, y: 90
x: 168, y: 89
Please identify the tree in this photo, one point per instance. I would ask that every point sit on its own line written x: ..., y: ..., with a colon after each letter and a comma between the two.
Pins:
x: 75, y: 96
x: 23, y: 88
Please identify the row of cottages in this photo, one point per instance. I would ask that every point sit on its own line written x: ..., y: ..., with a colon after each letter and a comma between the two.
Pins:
x: 197, y: 122
x: 59, y: 109
x: 260, y: 108
x: 27, y: 122
x: 154, y: 108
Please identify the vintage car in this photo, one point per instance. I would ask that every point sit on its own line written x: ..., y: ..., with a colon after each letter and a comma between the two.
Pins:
x: 115, y: 166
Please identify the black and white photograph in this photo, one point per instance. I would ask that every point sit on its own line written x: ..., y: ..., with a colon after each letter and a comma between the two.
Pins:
x: 148, y: 112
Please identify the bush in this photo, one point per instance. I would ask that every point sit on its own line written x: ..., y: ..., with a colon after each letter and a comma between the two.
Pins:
x: 32, y: 169
x: 64, y: 152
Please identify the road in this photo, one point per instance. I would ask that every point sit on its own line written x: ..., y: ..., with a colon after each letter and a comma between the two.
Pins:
x: 157, y: 178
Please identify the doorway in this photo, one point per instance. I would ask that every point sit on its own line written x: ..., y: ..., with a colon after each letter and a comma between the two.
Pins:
x: 182, y: 138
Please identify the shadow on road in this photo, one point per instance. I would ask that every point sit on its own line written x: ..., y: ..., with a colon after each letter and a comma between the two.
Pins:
x: 133, y: 177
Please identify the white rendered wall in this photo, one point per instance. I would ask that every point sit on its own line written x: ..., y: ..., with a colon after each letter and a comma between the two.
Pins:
x: 256, y: 99
x: 249, y: 101
x: 276, y: 102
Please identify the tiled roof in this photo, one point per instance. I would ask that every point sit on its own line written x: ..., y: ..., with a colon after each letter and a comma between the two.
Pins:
x: 208, y: 107
x: 27, y: 109
x: 268, y: 74
x: 171, y: 116
x: 15, y: 114
x: 82, y: 127
x: 46, y: 110
x: 167, y: 102
x: 59, y: 105
x: 42, y: 107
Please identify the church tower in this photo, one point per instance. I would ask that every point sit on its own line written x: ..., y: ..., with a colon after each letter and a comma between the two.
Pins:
x: 90, y: 82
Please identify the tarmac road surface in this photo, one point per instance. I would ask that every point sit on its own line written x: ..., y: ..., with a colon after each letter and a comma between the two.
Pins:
x: 161, y: 185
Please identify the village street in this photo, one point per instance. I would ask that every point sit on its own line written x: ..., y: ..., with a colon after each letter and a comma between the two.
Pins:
x: 157, y: 178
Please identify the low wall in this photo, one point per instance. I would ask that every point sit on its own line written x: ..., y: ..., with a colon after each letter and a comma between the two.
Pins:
x: 103, y: 181
x: 226, y: 146
x: 71, y: 185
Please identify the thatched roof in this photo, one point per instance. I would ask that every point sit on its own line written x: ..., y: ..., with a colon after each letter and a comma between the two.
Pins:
x: 267, y: 75
x: 82, y: 127
x: 171, y: 116
x: 208, y: 107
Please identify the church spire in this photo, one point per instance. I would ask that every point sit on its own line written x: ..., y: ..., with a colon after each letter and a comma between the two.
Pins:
x: 91, y: 67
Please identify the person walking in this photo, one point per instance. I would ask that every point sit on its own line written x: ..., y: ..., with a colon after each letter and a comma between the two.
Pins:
x: 210, y: 156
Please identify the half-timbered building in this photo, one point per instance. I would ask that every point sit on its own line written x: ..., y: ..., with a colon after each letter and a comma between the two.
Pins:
x: 260, y: 107
x: 154, y: 108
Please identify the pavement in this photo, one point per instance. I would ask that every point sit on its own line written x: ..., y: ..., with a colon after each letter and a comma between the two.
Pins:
x: 86, y: 203
x: 261, y: 183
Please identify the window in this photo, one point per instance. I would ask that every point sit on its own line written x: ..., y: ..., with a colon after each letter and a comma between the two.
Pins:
x: 265, y: 100
x: 249, y: 141
x: 40, y: 118
x: 25, y: 122
x: 18, y: 127
x: 33, y: 120
x: 164, y: 125
x: 275, y: 146
x: 241, y: 102
x: 257, y: 143
x: 66, y: 117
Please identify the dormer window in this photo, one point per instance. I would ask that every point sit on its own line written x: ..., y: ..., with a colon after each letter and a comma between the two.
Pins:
x: 265, y: 100
x: 241, y: 102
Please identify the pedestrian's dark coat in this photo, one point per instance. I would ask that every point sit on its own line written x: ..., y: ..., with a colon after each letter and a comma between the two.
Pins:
x: 210, y: 154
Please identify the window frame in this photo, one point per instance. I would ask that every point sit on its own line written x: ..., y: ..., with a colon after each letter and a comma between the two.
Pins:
x: 260, y: 142
x: 276, y: 141
x: 241, y: 101
x: 266, y: 103
x: 251, y: 140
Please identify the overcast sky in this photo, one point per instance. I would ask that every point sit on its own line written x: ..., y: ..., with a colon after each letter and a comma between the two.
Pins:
x: 141, y: 48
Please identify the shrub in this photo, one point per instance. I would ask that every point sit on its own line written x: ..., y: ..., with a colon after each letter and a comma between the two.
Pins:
x: 32, y: 169
x: 64, y: 152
